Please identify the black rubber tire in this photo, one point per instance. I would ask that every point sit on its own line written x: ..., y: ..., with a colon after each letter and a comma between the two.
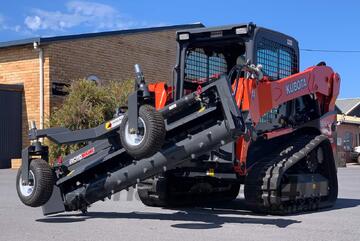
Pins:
x: 157, y: 192
x: 154, y: 135
x: 199, y: 198
x: 153, y: 192
x: 43, y: 187
x: 233, y: 193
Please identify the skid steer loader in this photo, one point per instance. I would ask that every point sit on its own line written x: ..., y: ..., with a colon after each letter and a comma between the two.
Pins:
x: 239, y: 112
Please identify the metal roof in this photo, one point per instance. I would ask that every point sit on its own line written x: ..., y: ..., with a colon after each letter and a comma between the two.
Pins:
x: 347, y: 105
x: 19, y: 42
x: 201, y: 29
x: 92, y: 35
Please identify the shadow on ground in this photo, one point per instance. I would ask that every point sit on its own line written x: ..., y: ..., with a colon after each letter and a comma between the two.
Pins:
x: 188, y: 218
x: 238, y: 206
x: 195, y: 219
x: 342, y: 203
x: 200, y: 217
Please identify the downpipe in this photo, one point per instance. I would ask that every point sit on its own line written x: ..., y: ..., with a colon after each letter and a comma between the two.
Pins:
x: 41, y: 82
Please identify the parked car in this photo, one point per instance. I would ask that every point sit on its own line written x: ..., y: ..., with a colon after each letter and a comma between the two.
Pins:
x: 355, y: 154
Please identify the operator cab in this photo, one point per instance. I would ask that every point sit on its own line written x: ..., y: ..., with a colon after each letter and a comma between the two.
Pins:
x: 206, y: 62
x: 206, y: 54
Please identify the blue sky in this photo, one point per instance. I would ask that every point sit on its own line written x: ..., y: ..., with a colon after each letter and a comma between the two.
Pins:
x: 329, y: 25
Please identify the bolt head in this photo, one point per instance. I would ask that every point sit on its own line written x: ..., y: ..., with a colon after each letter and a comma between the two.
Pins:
x: 132, y: 131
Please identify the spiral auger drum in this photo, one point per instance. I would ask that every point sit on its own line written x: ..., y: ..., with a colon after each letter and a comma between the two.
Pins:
x: 239, y: 112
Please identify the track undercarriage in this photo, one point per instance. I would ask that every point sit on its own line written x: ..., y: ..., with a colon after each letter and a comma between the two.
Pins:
x: 299, y: 176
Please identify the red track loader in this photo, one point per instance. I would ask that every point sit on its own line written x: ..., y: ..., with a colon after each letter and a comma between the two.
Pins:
x: 238, y: 112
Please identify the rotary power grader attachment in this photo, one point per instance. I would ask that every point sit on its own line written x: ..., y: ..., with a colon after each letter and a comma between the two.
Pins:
x: 239, y: 112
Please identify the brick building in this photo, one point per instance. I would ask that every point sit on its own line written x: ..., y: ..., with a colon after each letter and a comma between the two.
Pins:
x: 41, y: 66
x: 348, y: 129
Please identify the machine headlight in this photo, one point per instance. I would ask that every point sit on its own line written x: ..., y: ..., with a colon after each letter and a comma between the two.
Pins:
x: 242, y: 30
x: 184, y: 36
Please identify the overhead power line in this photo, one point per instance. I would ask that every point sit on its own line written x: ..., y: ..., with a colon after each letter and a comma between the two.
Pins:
x: 330, y: 51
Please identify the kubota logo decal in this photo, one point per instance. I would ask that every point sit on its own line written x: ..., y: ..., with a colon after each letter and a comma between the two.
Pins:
x: 296, y: 86
x: 82, y: 156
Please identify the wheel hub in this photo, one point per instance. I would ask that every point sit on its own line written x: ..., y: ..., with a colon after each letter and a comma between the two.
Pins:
x: 27, y: 190
x: 135, y: 139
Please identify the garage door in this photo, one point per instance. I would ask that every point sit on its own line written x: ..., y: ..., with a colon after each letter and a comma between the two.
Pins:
x: 10, y: 123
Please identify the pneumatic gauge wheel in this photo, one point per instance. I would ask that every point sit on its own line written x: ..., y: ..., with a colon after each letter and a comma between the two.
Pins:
x: 41, y: 183
x: 149, y: 137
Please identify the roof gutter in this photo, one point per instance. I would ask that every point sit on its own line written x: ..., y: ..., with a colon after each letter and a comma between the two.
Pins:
x: 348, y: 119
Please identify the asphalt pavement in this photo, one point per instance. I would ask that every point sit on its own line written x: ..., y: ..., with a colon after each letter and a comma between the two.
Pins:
x: 124, y: 217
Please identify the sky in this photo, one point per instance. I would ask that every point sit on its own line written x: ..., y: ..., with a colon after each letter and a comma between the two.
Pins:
x: 318, y: 25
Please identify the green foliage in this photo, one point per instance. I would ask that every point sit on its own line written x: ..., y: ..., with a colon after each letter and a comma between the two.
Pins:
x: 87, y: 106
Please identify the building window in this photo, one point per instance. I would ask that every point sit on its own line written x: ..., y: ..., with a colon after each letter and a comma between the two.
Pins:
x: 60, y: 89
x: 348, y: 141
x: 339, y: 141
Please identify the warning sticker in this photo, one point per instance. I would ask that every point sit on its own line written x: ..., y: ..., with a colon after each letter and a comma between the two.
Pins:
x: 82, y: 156
x: 114, y: 123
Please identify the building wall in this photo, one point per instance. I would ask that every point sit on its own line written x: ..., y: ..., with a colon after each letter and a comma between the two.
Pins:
x: 107, y: 57
x: 348, y: 136
x: 113, y: 58
x: 20, y: 65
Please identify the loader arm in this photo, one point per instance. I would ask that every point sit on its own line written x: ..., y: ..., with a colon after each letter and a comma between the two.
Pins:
x: 259, y: 97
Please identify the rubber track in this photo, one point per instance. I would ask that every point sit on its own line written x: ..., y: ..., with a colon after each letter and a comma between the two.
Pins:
x: 263, y: 181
